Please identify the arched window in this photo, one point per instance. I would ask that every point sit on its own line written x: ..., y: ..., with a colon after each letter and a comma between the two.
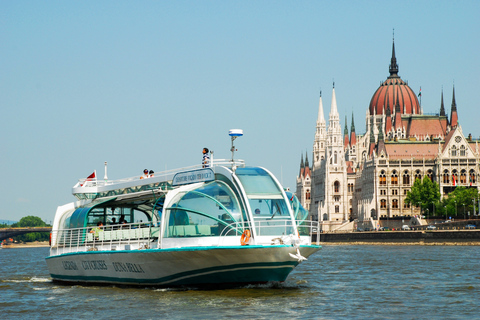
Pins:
x: 383, y: 204
x: 418, y: 175
x: 394, y: 204
x: 406, y: 205
x: 454, y: 177
x: 406, y: 178
x: 430, y: 174
x: 394, y: 177
x: 337, y: 209
x: 463, y: 176
x: 335, y: 157
x: 472, y: 177
x: 446, y: 176
x: 462, y: 151
x: 325, y: 217
x: 336, y: 186
x: 454, y: 151
x: 307, y: 195
x: 383, y: 177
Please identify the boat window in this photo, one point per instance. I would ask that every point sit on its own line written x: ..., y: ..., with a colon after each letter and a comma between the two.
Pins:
x: 257, y: 181
x: 209, y: 210
x: 269, y: 208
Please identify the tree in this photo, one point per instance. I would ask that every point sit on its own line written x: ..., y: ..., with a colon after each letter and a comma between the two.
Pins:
x: 31, y: 221
x: 424, y: 193
x: 461, y: 201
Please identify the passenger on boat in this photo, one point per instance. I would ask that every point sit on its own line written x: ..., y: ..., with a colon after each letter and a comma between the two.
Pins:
x: 122, y: 219
x: 145, y: 174
x: 206, y: 158
x: 114, y: 221
x: 257, y: 211
x: 96, y: 231
x: 150, y: 174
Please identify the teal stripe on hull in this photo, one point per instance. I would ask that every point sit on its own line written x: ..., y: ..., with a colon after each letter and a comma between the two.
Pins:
x: 235, y: 274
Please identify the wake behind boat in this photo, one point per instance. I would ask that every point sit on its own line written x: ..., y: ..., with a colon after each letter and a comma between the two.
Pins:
x: 226, y: 224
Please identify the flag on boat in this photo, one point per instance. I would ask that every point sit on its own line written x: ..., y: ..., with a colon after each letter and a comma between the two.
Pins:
x: 91, y: 177
x: 420, y: 92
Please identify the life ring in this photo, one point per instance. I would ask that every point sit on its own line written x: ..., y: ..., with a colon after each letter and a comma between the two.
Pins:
x: 245, y: 238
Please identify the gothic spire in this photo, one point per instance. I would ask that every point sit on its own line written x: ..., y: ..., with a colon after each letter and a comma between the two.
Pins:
x: 442, y: 108
x: 346, y: 142
x: 333, y: 107
x: 352, y: 127
x: 353, y: 138
x: 393, y: 63
x: 306, y: 160
x: 321, y: 117
x: 302, y: 166
x: 453, y: 113
x: 454, y: 104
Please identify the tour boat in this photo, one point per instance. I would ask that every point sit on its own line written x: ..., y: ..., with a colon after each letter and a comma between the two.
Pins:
x: 218, y: 223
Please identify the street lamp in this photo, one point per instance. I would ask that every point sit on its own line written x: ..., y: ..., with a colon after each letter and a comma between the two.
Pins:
x: 464, y: 215
x: 456, y: 212
x: 473, y: 209
x: 427, y: 212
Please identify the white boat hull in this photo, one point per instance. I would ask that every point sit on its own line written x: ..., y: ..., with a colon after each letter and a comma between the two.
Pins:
x: 195, y: 266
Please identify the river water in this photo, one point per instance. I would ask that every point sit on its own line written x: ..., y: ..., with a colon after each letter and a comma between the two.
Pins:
x: 338, y: 282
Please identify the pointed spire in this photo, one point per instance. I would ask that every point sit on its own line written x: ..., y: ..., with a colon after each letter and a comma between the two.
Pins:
x: 345, y: 133
x: 302, y: 166
x: 321, y: 117
x: 442, y: 108
x: 333, y: 107
x: 393, y: 62
x: 454, y: 104
x: 353, y: 138
x: 352, y: 127
x: 306, y: 160
x: 453, y: 114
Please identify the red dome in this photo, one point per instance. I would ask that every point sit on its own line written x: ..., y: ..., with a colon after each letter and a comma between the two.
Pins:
x: 392, y: 92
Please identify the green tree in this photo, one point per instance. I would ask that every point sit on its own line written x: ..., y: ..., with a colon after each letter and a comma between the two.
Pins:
x: 424, y: 193
x: 461, y: 201
x: 31, y: 221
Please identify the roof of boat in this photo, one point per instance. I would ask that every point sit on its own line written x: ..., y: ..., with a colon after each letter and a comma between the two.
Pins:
x: 92, y: 188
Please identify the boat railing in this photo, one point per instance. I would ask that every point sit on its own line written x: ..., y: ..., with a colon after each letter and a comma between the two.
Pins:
x: 167, y: 174
x: 276, y: 229
x: 110, y: 237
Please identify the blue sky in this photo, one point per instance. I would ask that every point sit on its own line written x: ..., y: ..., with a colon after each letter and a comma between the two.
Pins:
x: 148, y: 84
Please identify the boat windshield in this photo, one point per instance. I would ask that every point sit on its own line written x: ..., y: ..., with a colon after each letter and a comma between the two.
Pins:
x: 190, y: 215
x: 264, y: 195
x: 267, y: 202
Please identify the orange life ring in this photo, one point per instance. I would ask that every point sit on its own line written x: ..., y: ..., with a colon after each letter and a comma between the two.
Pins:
x: 245, y: 237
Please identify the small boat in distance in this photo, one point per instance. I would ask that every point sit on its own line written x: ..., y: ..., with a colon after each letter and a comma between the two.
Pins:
x: 220, y: 224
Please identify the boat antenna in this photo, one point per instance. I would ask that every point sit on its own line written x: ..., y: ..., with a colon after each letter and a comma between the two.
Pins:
x: 234, y: 133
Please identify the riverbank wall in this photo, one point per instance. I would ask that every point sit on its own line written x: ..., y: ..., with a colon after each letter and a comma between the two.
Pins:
x: 453, y: 237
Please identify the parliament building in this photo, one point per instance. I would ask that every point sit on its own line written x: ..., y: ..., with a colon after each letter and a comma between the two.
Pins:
x: 355, y: 180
